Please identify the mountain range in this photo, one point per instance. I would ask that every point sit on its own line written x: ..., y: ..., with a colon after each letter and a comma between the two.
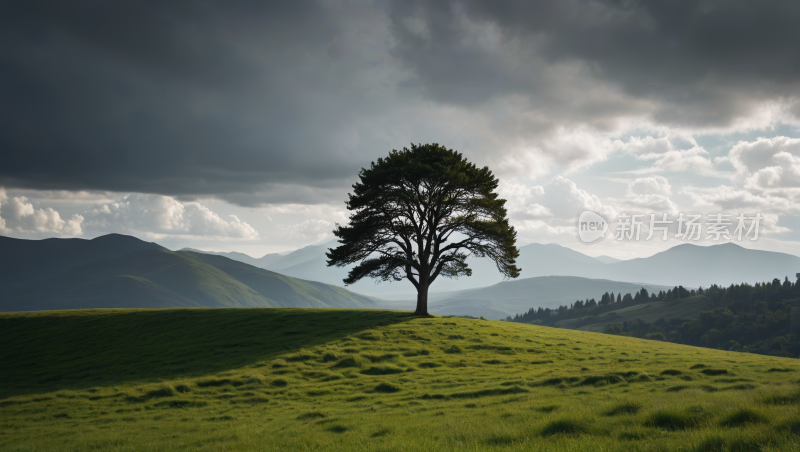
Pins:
x: 121, y: 271
x: 685, y: 264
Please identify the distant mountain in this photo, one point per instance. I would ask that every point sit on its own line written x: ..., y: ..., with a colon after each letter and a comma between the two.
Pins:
x: 126, y: 272
x: 304, y: 254
x: 26, y: 262
x: 512, y: 297
x: 691, y: 266
x: 686, y: 264
x: 608, y: 259
x: 260, y: 262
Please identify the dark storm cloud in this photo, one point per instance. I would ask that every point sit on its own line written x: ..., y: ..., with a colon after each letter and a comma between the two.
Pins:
x: 705, y: 61
x: 182, y: 97
x: 266, y: 101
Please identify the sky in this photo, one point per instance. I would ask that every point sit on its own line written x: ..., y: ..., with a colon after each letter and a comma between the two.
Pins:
x: 241, y: 125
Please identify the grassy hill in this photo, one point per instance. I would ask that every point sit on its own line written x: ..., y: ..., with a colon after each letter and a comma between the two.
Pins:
x: 650, y: 312
x: 124, y: 273
x: 510, y: 297
x: 351, y: 380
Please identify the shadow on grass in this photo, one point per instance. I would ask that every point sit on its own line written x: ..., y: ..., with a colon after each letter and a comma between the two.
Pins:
x: 52, y: 350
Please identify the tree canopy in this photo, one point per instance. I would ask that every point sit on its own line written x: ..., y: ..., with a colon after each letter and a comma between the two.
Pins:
x: 418, y: 214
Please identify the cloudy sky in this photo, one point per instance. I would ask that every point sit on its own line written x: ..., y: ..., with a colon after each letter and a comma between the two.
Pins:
x: 240, y: 125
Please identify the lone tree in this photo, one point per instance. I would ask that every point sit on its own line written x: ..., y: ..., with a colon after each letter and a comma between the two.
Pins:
x: 418, y: 214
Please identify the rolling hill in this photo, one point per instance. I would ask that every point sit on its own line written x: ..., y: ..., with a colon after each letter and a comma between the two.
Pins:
x: 511, y: 297
x: 368, y: 380
x: 122, y: 271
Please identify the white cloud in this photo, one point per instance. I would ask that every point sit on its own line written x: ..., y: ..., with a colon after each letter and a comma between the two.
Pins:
x: 767, y: 163
x: 726, y: 197
x: 19, y: 215
x: 652, y: 203
x: 766, y: 178
x: 577, y: 148
x: 665, y: 156
x: 653, y: 185
x: 651, y: 194
x: 163, y: 215
x: 547, y: 213
x: 312, y: 230
x: 523, y: 163
x: 518, y: 196
x: 563, y: 197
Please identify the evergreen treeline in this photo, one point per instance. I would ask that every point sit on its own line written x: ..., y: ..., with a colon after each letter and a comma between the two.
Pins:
x: 755, y: 319
x: 608, y: 302
x: 750, y: 318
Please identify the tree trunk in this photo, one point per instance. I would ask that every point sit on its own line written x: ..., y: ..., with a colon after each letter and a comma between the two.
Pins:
x: 422, y: 300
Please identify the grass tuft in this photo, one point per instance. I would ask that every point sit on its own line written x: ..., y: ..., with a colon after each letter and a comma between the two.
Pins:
x: 564, y: 426
x: 554, y: 381
x: 299, y: 357
x: 428, y: 365
x: 782, y: 398
x: 743, y: 416
x: 310, y: 415
x: 420, y: 352
x: 213, y: 382
x: 382, y: 370
x: 165, y: 391
x: 386, y: 388
x: 347, y: 362
x: 500, y: 440
x: 718, y: 443
x: 601, y: 380
x: 623, y: 408
x: 489, y: 392
x: 278, y: 363
x: 547, y: 408
x: 381, y: 432
x: 671, y: 420
x: 714, y: 372
x: 279, y: 382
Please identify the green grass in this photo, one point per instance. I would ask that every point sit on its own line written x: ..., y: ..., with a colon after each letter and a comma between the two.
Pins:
x: 367, y: 380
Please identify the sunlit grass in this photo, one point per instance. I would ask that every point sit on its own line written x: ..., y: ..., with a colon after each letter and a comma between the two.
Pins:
x: 282, y: 379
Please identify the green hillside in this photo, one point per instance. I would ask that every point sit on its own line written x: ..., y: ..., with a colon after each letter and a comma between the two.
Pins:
x: 352, y: 380
x: 509, y: 297
x: 763, y: 318
x: 125, y: 290
x: 689, y: 307
x: 161, y: 278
